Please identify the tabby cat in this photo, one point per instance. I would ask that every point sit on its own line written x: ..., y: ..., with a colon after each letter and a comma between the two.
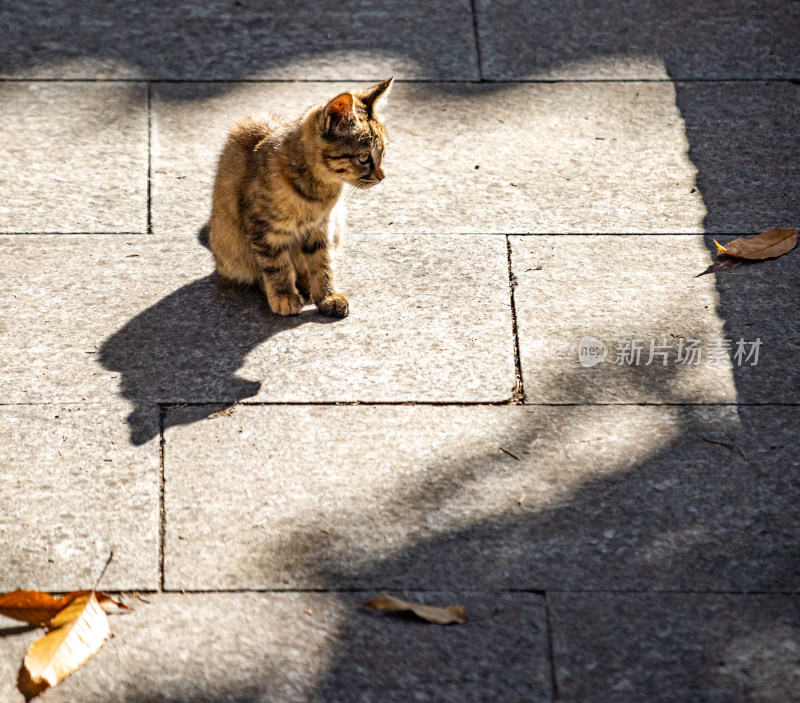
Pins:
x: 278, y: 210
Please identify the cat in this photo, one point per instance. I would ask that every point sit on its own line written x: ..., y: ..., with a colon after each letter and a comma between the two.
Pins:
x: 278, y: 210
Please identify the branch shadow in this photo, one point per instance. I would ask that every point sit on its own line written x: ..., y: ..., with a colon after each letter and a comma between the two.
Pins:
x: 693, y: 516
x: 684, y: 518
x: 226, y: 40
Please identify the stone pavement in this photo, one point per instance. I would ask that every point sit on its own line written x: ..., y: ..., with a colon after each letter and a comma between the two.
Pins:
x: 619, y: 532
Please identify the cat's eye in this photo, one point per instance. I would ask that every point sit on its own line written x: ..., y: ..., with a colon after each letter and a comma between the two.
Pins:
x: 363, y: 157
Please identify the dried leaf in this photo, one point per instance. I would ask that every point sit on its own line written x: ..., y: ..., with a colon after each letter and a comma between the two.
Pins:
x: 429, y: 613
x: 37, y: 608
x: 223, y: 413
x: 105, y: 600
x: 33, y: 607
x: 767, y: 245
x: 77, y: 632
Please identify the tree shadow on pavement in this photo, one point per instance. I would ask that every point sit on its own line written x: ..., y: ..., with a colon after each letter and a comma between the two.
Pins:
x: 187, y: 348
x: 668, y: 574
x: 614, y: 500
x: 234, y: 39
x: 694, y: 516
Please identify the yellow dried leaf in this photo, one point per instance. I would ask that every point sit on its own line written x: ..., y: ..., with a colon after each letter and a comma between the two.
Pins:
x: 429, y: 613
x: 78, y: 631
x: 720, y: 249
x: 767, y: 245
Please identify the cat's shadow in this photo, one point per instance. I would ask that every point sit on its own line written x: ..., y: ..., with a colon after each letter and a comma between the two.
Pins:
x: 187, y: 348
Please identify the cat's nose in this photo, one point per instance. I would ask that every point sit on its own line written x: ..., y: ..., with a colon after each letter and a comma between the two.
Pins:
x: 379, y: 173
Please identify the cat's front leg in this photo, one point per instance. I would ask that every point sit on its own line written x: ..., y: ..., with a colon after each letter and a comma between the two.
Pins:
x: 302, y: 280
x: 317, y: 251
x: 278, y: 274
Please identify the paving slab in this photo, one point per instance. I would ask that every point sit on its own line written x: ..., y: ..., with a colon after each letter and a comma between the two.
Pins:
x: 143, y: 318
x: 73, y: 157
x: 628, y: 292
x: 73, y: 490
x: 495, y: 158
x: 518, y: 158
x: 226, y: 39
x: 428, y: 497
x: 676, y: 647
x: 576, y: 40
x: 258, y: 647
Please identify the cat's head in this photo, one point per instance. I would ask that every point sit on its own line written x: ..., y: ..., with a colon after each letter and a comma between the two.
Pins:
x: 354, y: 137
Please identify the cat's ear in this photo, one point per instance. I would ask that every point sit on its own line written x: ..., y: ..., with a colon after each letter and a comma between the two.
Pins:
x: 372, y: 96
x: 340, y: 114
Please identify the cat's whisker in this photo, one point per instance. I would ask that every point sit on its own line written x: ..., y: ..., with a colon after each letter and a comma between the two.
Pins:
x: 350, y: 193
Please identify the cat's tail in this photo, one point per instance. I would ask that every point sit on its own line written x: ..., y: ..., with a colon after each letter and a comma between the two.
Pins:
x: 250, y: 131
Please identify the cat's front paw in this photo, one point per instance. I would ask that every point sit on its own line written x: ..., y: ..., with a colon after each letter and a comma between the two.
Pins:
x: 336, y: 305
x: 290, y: 304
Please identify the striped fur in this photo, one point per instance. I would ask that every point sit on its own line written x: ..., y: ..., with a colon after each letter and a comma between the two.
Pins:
x: 278, y: 212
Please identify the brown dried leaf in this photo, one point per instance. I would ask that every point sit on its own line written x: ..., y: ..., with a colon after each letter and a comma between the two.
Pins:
x: 223, y: 413
x: 77, y: 632
x: 429, y: 613
x: 106, y: 601
x: 767, y: 245
x: 33, y: 607
x: 37, y: 608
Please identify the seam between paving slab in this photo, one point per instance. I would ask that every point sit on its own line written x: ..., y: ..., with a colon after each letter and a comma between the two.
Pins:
x: 551, y: 655
x: 729, y: 233
x: 518, y: 396
x: 162, y: 511
x: 76, y: 234
x: 477, y: 39
x: 149, y: 158
x: 438, y: 403
x: 466, y: 591
x: 423, y: 403
x: 419, y: 234
x: 677, y: 79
